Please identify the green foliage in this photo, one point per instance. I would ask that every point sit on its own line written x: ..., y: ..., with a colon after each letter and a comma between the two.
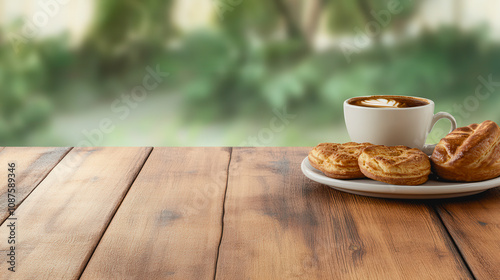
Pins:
x: 247, y: 18
x: 203, y: 60
x: 249, y: 63
x: 126, y: 33
x: 24, y: 80
x: 346, y: 15
x: 122, y: 25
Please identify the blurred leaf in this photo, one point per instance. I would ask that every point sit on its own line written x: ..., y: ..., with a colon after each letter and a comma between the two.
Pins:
x: 278, y: 90
x: 345, y: 16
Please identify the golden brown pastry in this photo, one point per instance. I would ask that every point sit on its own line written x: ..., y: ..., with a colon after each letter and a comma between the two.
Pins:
x: 339, y: 161
x: 470, y: 153
x: 398, y: 165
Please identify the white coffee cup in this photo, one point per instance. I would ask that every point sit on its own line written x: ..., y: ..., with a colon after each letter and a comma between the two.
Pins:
x: 408, y: 126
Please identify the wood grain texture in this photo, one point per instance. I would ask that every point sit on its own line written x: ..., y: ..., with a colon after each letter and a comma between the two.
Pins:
x: 32, y: 165
x: 280, y: 225
x: 170, y: 223
x: 62, y: 220
x: 474, y: 224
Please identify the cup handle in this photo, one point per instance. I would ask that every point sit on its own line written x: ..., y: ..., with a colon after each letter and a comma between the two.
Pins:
x: 428, y: 149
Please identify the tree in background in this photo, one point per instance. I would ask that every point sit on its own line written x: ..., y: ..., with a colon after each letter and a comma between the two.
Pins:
x: 126, y: 33
x: 254, y: 57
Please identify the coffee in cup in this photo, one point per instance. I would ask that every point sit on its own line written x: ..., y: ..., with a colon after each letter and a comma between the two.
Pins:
x: 388, y: 101
x: 392, y: 120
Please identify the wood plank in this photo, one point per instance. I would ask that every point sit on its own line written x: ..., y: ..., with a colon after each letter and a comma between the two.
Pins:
x: 32, y: 165
x: 170, y: 223
x: 280, y: 225
x: 474, y: 224
x: 62, y: 220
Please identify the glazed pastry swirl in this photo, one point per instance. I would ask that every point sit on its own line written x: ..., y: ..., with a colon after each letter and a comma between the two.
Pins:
x: 470, y: 153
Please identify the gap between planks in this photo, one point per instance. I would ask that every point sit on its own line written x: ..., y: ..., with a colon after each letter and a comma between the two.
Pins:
x: 43, y: 178
x: 431, y: 205
x: 460, y: 254
x: 436, y: 228
x: 113, y: 215
x: 223, y: 211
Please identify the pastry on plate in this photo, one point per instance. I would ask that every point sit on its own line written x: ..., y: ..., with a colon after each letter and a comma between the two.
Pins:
x: 397, y: 165
x: 339, y: 161
x: 469, y: 154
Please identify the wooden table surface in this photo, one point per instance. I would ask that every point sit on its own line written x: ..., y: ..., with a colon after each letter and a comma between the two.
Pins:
x: 227, y: 213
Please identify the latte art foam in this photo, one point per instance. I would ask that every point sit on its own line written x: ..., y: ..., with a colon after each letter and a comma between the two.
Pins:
x: 388, y: 101
x: 382, y: 102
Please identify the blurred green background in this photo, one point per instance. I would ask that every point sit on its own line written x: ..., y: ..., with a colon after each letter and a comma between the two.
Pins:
x: 240, y: 72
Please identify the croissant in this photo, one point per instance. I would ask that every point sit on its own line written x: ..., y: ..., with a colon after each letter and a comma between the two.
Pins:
x: 470, y: 153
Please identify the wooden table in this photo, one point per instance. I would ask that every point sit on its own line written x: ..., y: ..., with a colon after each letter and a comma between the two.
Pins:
x: 226, y: 213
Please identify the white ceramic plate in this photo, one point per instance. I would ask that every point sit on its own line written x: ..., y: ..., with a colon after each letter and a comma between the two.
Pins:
x: 430, y: 190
